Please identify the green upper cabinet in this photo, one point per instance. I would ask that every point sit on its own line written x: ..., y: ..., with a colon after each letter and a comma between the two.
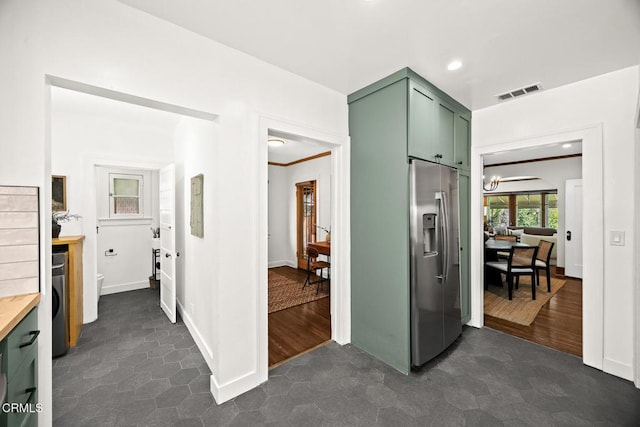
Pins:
x: 422, y: 115
x: 438, y: 126
x: 462, y: 141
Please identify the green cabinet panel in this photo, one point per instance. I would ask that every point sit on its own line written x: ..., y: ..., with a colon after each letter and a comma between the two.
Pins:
x: 390, y: 121
x: 464, y: 193
x: 380, y: 225
x: 462, y: 141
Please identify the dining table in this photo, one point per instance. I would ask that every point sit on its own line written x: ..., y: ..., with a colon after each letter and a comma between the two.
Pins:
x: 323, y: 247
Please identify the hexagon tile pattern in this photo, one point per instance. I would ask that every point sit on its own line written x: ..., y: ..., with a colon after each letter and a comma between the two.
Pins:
x: 132, y: 367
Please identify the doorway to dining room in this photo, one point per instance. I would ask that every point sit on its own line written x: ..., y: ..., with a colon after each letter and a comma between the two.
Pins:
x: 528, y: 206
x: 299, y: 216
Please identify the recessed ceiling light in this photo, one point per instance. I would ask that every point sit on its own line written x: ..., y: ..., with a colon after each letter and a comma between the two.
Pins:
x: 454, y: 65
x: 275, y: 142
x: 567, y: 145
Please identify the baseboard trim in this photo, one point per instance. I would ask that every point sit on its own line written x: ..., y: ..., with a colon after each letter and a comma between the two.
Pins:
x: 559, y: 271
x: 133, y: 286
x: 618, y: 369
x: 282, y: 263
x: 195, y: 333
x: 224, y: 392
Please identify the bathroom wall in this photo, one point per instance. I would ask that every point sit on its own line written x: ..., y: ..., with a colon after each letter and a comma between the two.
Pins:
x: 124, y: 245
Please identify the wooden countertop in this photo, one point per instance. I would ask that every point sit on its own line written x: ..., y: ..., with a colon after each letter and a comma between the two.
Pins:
x: 13, y: 309
x: 65, y: 240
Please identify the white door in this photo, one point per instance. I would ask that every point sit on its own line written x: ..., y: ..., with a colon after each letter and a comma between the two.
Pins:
x: 168, y: 241
x: 573, y: 227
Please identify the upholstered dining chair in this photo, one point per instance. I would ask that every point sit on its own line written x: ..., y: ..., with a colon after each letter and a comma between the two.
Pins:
x: 508, y: 238
x: 313, y: 265
x: 542, y: 261
x: 521, y: 262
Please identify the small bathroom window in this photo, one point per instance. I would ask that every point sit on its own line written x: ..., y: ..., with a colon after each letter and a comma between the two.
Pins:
x: 125, y: 195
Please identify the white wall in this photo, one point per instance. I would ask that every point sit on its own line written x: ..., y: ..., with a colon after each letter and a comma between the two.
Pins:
x: 552, y: 174
x: 279, y: 246
x: 282, y: 206
x: 197, y: 268
x: 609, y: 100
x: 110, y: 45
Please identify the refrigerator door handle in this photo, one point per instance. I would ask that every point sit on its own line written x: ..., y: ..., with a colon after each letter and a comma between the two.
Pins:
x: 443, y: 234
x: 445, y: 246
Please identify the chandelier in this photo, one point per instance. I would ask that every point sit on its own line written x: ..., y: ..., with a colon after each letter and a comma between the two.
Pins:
x: 492, y: 185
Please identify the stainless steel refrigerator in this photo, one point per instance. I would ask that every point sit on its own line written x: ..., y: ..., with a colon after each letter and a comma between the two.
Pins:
x: 435, y: 265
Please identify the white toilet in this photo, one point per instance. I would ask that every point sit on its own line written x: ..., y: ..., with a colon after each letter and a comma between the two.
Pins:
x: 100, y: 279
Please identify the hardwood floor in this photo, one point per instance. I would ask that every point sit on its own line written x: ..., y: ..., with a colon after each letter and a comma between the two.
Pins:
x: 558, y: 325
x: 298, y: 329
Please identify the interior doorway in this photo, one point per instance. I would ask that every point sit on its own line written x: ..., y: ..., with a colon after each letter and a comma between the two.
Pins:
x: 299, y: 218
x: 530, y: 206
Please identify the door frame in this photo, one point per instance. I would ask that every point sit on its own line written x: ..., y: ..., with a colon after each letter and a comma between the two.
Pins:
x: 593, y: 242
x: 340, y: 227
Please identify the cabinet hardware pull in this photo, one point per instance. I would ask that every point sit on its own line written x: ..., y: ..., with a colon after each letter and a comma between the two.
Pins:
x: 33, y: 339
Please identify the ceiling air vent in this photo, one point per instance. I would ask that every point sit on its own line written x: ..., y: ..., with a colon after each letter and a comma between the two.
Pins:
x: 519, y: 92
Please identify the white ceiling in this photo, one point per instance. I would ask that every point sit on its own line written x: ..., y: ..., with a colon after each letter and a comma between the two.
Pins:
x: 295, y: 148
x: 541, y: 152
x: 348, y: 44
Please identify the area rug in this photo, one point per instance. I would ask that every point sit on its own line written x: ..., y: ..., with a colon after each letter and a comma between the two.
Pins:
x: 285, y: 292
x: 521, y: 309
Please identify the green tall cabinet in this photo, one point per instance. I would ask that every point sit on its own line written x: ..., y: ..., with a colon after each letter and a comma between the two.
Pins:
x: 399, y: 117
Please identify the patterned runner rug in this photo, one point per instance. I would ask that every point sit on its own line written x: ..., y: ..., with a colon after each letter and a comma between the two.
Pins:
x: 521, y: 309
x: 285, y: 292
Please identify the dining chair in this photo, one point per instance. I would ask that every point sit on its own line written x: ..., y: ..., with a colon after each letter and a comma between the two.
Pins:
x: 313, y: 265
x: 521, y: 262
x: 543, y: 258
x: 508, y: 238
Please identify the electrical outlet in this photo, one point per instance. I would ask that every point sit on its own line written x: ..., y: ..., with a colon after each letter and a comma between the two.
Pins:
x: 616, y: 238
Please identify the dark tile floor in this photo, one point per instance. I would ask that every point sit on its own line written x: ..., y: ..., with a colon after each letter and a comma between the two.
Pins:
x: 133, y: 367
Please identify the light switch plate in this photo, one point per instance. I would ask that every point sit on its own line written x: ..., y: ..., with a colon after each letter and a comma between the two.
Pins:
x: 616, y: 238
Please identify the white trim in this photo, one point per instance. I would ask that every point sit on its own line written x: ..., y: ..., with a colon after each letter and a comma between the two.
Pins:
x: 593, y: 242
x: 128, y: 98
x: 227, y: 391
x: 124, y: 287
x: 636, y: 324
x: 195, y: 334
x: 282, y: 263
x: 618, y: 369
x: 221, y: 392
x: 340, y: 283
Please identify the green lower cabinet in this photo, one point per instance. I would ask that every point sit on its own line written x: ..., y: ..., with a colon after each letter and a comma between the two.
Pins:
x: 20, y: 365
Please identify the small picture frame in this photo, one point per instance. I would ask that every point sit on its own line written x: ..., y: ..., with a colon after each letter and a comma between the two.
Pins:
x: 58, y: 193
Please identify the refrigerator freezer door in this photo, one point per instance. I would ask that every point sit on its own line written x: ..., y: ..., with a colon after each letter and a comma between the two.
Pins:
x: 427, y: 247
x: 452, y: 324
